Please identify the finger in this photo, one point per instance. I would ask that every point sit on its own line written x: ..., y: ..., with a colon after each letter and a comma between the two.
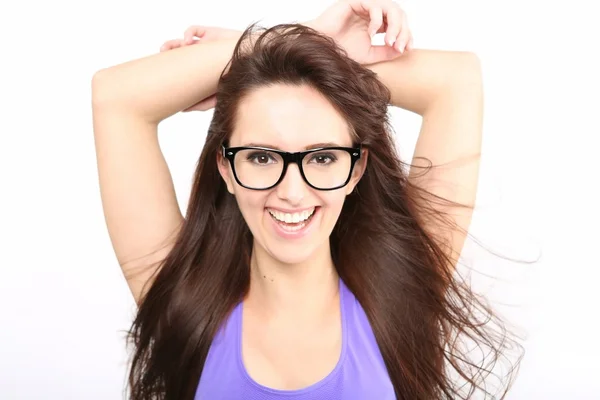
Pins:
x: 175, y: 44
x: 404, y: 36
x: 410, y: 44
x: 381, y: 53
x: 368, y: 8
x: 394, y: 22
x: 204, y: 105
x: 383, y: 27
x: 361, y: 7
x: 375, y: 20
x: 193, y: 31
x: 171, y: 44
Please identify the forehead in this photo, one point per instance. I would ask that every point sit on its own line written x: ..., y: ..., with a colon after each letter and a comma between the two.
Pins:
x: 288, y: 117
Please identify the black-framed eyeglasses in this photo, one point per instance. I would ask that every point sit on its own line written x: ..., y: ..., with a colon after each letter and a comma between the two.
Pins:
x: 261, y: 168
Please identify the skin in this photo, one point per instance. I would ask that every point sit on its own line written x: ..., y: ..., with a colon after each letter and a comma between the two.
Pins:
x: 294, y: 285
x: 292, y: 310
x: 290, y: 118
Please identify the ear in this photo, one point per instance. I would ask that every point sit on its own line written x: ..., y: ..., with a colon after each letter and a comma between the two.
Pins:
x: 225, y: 171
x: 359, y: 169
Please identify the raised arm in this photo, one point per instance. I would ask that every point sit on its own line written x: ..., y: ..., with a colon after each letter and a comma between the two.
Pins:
x: 138, y: 197
x: 446, y: 89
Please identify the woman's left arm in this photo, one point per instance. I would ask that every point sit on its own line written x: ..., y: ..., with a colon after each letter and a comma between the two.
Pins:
x: 446, y: 89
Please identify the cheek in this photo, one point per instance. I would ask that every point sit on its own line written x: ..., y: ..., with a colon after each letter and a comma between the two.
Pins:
x: 251, y: 203
x: 333, y: 202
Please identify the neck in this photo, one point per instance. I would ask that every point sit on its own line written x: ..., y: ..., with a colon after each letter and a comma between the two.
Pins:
x: 301, y: 289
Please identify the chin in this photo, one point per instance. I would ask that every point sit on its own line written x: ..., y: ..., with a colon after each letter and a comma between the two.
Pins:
x: 291, y: 254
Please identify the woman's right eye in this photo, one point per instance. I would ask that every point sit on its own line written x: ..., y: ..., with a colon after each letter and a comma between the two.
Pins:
x: 261, y: 158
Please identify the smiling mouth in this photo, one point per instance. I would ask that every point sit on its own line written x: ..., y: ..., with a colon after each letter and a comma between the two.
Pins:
x: 292, y: 222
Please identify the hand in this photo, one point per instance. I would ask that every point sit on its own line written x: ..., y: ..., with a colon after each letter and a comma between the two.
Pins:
x: 353, y: 23
x: 197, y: 34
x: 201, y: 34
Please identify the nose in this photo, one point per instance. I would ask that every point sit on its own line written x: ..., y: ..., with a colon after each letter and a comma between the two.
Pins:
x: 292, y: 188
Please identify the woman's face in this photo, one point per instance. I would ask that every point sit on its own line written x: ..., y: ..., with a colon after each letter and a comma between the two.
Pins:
x: 292, y: 119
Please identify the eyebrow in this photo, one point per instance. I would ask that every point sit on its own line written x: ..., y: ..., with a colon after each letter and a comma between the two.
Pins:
x: 309, y: 147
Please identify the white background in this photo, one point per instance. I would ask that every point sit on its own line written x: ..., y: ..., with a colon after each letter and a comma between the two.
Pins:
x: 64, y: 304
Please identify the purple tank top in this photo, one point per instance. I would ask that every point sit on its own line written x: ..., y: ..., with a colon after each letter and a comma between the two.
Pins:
x: 359, y: 374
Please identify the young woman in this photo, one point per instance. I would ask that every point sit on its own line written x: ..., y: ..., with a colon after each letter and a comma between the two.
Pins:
x: 310, y: 264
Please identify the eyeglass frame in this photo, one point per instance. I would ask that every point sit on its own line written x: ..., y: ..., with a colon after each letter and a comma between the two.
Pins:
x: 292, y: 158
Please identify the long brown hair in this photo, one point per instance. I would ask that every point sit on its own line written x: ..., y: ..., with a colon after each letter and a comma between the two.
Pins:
x: 396, y: 269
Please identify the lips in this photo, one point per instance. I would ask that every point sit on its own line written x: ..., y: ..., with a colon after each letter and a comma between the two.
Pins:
x: 291, y: 218
x: 299, y: 223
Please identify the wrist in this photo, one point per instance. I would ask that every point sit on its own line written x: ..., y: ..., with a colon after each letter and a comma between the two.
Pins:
x: 310, y: 24
x: 313, y: 24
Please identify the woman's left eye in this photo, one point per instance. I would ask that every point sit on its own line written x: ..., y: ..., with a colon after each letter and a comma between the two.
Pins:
x: 322, y: 158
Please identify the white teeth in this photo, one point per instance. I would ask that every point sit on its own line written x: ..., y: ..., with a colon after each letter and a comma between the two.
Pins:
x: 291, y: 218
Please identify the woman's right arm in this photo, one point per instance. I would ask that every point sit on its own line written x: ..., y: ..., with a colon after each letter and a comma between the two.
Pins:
x: 138, y: 198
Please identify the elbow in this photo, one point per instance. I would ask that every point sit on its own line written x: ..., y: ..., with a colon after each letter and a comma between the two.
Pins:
x: 469, y: 71
x: 464, y: 77
x: 104, y: 89
x: 99, y: 88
